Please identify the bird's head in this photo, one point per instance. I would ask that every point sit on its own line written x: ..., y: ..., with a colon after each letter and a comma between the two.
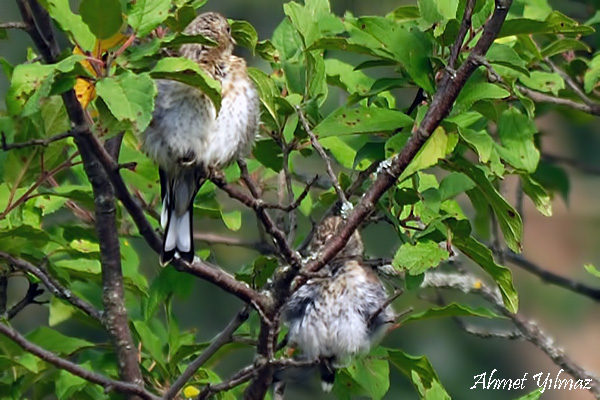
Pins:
x: 215, y: 27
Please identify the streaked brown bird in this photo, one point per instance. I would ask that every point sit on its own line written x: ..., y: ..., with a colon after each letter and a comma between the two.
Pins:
x: 341, y: 315
x: 188, y: 139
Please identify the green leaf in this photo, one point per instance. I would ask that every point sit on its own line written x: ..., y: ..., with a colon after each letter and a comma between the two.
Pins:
x: 56, y: 342
x: 404, y: 13
x: 313, y: 20
x: 479, y: 253
x: 60, y: 11
x: 506, y: 56
x: 232, y: 219
x: 372, y: 372
x: 145, y: 15
x: 129, y: 97
x: 419, y: 257
x: 68, y: 384
x: 517, y: 132
x: 167, y: 283
x: 150, y: 342
x: 564, y: 45
x: 553, y: 179
x: 454, y: 184
x: 420, y: 372
x: 537, y: 194
x: 186, y: 71
x: 182, y: 18
x: 103, y: 17
x: 59, y: 311
x: 474, y: 91
x: 451, y: 310
x: 438, y: 12
x: 556, y: 23
x: 410, y: 47
x: 590, y: 79
x: 509, y: 220
x: 267, y: 92
x: 480, y: 141
x: 437, y: 147
x: 269, y: 154
x: 592, y: 270
x: 349, y: 121
x: 544, y: 82
x: 177, y: 40
x: 244, y: 34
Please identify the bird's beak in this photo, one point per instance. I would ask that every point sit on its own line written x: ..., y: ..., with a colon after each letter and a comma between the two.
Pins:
x: 233, y: 41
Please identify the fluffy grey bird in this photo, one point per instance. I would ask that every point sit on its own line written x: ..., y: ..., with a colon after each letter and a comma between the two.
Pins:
x: 342, y: 315
x: 188, y: 139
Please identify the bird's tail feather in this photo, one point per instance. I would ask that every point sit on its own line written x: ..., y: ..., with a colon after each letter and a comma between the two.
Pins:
x: 177, y: 217
x: 327, y: 374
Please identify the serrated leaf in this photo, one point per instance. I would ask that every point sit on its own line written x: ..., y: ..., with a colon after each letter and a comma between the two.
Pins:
x: 129, y: 97
x: 145, y: 15
x: 451, y: 310
x: 420, y: 372
x: 359, y: 120
x: 56, y: 342
x: 590, y: 79
x: 103, y: 17
x: 419, y: 257
x: 479, y: 253
x: 186, y: 71
x: 60, y: 11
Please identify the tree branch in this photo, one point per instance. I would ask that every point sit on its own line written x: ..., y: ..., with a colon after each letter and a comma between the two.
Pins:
x: 13, y: 25
x: 226, y: 336
x: 53, y: 286
x: 538, y: 97
x: 552, y: 278
x: 212, y: 238
x: 33, y: 291
x: 34, y: 142
x: 462, y: 33
x: 529, y: 331
x: 571, y: 162
x: 115, y: 314
x: 107, y: 383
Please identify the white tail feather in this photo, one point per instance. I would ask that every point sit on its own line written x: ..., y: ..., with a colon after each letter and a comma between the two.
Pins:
x: 171, y: 234
x: 184, y: 234
x: 164, y: 215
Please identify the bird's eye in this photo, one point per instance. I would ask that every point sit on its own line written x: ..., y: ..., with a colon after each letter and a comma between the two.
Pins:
x: 228, y: 29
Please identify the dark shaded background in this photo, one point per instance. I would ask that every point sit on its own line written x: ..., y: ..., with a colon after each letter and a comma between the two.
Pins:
x: 561, y: 244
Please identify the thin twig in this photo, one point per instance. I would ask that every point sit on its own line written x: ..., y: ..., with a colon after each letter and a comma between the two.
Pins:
x: 530, y: 331
x: 552, y: 278
x: 572, y: 84
x: 222, y: 338
x: 462, y: 32
x: 33, y: 291
x: 382, y: 307
x: 13, y: 25
x: 317, y: 146
x: 107, y: 383
x: 34, y: 142
x: 53, y: 286
x: 538, y: 97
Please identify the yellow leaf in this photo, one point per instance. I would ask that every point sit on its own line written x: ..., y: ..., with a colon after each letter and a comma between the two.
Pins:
x: 190, y: 392
x: 85, y: 90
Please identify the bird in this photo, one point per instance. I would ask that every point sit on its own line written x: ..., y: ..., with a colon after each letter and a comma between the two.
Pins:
x: 341, y: 315
x: 189, y: 139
